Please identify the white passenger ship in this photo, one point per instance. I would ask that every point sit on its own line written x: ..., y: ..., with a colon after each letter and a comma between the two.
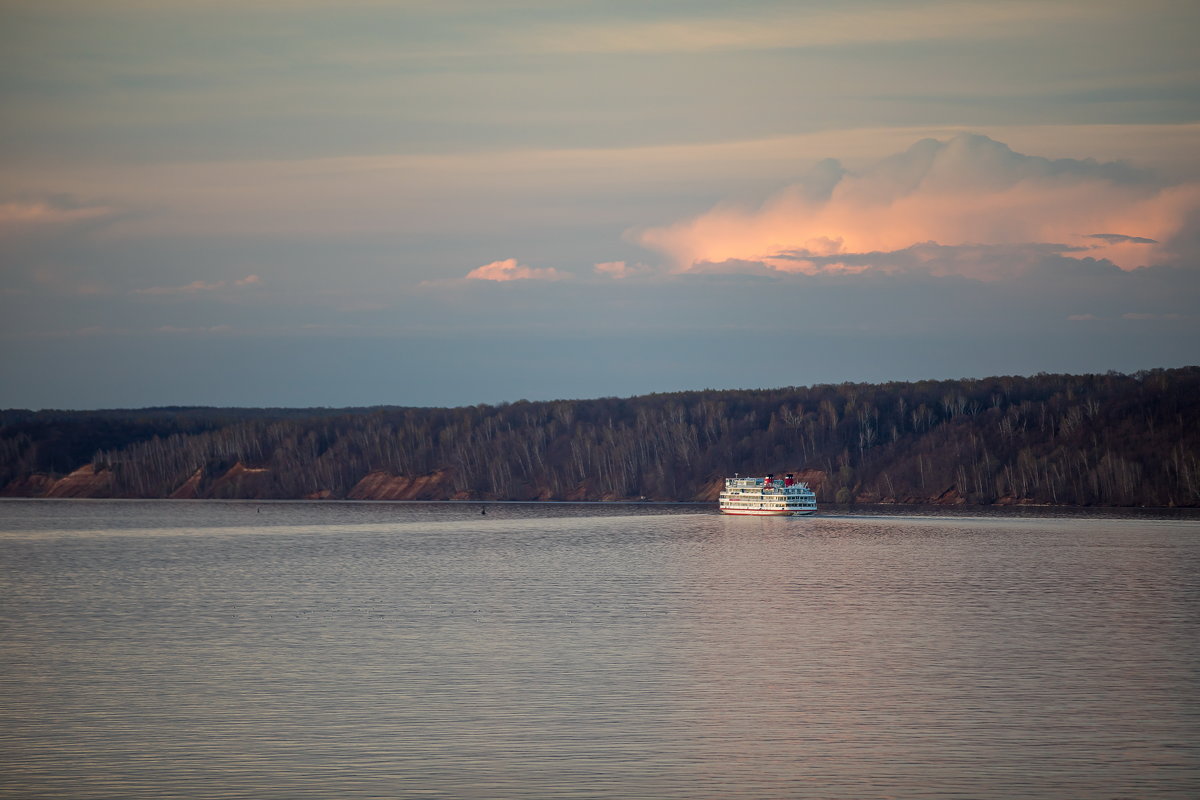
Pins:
x: 767, y: 497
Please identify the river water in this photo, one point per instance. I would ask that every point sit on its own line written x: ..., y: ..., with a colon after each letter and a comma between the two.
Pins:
x: 378, y: 650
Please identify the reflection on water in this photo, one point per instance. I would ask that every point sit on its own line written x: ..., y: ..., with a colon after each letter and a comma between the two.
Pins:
x: 429, y: 650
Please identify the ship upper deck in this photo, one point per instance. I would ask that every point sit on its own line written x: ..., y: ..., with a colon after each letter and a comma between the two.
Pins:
x: 760, y: 484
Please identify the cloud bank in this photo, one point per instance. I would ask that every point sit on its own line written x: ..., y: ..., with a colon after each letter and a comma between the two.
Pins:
x: 971, y: 193
x: 198, y: 287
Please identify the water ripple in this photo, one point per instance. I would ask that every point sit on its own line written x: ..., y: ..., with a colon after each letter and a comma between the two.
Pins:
x: 356, y: 650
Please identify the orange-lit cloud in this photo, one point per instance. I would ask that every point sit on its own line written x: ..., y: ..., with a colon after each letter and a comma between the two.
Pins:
x: 19, y: 215
x: 969, y: 191
x: 620, y: 269
x: 191, y: 288
x: 510, y: 270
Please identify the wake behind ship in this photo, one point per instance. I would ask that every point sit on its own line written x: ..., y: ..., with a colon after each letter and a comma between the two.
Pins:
x: 766, y: 497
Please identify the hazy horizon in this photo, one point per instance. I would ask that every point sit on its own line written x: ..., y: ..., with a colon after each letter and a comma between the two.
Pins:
x: 571, y: 399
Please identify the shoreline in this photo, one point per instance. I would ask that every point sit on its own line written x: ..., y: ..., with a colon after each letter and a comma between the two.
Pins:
x: 830, y: 509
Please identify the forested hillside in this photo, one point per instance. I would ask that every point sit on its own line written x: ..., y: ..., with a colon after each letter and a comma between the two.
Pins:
x: 1108, y: 439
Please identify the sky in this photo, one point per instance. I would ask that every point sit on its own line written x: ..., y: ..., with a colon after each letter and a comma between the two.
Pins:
x: 295, y: 203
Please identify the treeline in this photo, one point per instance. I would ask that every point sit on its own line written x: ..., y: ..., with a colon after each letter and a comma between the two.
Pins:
x: 1112, y: 439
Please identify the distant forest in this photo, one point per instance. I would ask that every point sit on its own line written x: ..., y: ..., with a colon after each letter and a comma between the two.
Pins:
x: 1107, y: 440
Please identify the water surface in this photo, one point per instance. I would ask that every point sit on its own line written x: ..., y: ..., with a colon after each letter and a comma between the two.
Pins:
x: 304, y: 650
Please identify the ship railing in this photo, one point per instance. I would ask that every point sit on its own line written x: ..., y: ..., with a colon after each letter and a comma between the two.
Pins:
x: 754, y: 483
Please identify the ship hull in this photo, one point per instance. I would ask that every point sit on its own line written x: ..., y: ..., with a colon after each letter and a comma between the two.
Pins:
x: 757, y: 512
